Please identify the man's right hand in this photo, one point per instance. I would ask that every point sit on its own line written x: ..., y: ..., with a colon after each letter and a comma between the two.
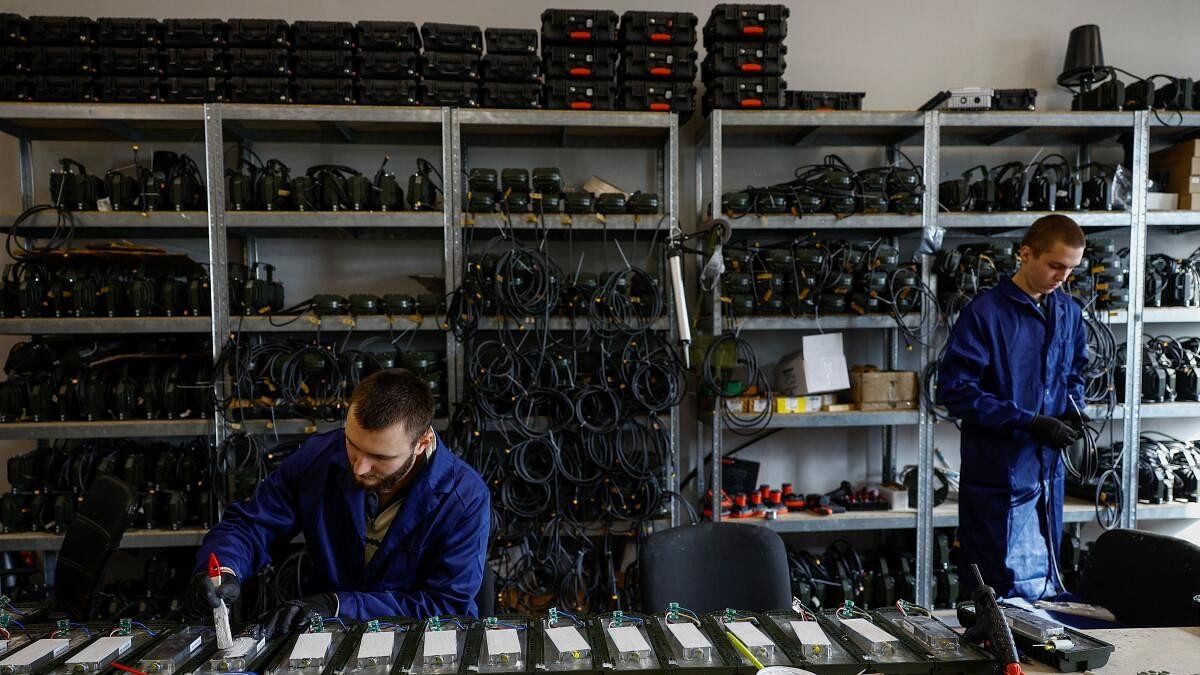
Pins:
x: 201, y: 598
x: 1053, y: 432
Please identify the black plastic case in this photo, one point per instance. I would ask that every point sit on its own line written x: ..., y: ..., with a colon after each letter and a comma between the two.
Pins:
x: 658, y: 28
x: 388, y: 92
x: 393, y: 36
x: 389, y: 65
x: 130, y: 61
x: 522, y: 95
x: 511, y: 40
x: 260, y: 90
x: 460, y: 94
x: 194, y: 33
x: 579, y: 26
x: 258, y: 33
x: 246, y: 62
x: 14, y: 29
x: 511, y: 67
x: 15, y: 60
x: 62, y: 30
x: 130, y: 89
x: 452, y: 37
x: 327, y: 63
x: 116, y: 32
x: 460, y: 66
x: 823, y: 100
x: 679, y: 97
x: 14, y: 88
x: 580, y: 63
x: 744, y: 59
x: 658, y: 63
x: 324, y: 91
x: 322, y: 34
x: 752, y: 93
x: 746, y: 22
x: 196, y: 62
x: 62, y: 88
x: 195, y: 90
x: 1014, y: 99
x: 54, y: 60
x: 580, y: 95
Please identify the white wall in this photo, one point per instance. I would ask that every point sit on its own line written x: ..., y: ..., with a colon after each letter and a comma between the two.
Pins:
x: 900, y: 53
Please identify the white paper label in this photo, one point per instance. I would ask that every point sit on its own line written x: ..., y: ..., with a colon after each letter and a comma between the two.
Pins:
x: 688, y: 635
x: 376, y: 645
x: 102, y: 649
x: 503, y: 641
x: 809, y: 633
x: 868, y: 630
x: 36, y: 651
x: 311, y: 646
x: 748, y: 633
x: 628, y: 639
x: 441, y: 643
x: 567, y: 639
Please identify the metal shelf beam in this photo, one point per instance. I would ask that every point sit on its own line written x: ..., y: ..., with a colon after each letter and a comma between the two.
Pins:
x: 569, y: 223
x: 311, y: 323
x: 47, y: 541
x: 339, y: 220
x: 100, y: 325
x: 106, y: 429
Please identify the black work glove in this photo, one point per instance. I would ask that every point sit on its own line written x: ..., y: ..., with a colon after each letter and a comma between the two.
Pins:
x: 1053, y: 432
x: 294, y: 614
x: 1075, y: 419
x: 201, y: 598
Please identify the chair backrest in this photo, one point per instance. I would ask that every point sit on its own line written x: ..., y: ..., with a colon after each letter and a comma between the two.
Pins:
x: 485, y: 600
x: 710, y: 566
x: 94, y: 533
x: 1144, y: 578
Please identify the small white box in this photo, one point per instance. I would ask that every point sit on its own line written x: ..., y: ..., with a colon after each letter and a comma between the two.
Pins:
x: 1162, y: 201
x: 820, y: 367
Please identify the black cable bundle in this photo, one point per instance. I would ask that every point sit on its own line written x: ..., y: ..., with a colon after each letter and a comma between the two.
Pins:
x: 568, y: 427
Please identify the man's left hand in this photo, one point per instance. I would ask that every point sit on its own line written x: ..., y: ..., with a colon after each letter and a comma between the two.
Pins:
x: 1075, y: 418
x: 294, y: 614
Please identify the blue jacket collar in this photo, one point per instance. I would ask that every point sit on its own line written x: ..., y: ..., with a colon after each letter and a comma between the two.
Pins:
x: 435, y: 478
x: 1013, y: 292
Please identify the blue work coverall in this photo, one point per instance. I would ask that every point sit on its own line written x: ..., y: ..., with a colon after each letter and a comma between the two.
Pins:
x: 1005, y: 364
x: 431, y: 560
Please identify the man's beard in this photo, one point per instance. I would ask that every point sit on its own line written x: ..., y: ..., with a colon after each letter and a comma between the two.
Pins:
x: 389, y: 483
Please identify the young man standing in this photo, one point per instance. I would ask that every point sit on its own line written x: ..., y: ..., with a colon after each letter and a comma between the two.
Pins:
x: 1013, y: 374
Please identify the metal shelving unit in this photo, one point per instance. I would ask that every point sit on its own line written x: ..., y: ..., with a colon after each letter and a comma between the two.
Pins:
x: 98, y: 325
x: 50, y: 542
x: 530, y: 129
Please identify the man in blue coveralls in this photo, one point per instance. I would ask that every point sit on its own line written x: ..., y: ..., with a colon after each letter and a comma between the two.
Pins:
x: 394, y: 523
x: 1013, y: 374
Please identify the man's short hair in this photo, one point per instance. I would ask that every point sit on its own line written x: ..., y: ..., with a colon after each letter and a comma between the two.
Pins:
x: 1049, y: 230
x: 390, y: 396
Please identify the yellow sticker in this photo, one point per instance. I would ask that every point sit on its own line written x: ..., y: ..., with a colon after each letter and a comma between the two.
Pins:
x: 348, y: 321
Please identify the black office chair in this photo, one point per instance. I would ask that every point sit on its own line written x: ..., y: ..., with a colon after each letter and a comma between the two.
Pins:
x: 711, y: 566
x: 94, y: 533
x: 1144, y: 578
x: 485, y: 600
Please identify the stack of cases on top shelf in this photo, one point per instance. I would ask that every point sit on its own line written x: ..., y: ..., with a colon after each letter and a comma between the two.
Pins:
x: 259, y: 61
x: 579, y: 54
x: 130, y: 61
x: 388, y: 63
x: 744, y: 65
x: 59, y: 61
x: 658, y: 62
x: 512, y: 70
x: 450, y: 65
x: 14, y: 58
x: 195, y: 60
x: 322, y: 63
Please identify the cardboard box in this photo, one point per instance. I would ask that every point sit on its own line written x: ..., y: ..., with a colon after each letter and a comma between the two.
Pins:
x: 1177, y: 169
x: 1190, y: 148
x: 1189, y: 202
x: 883, y: 390
x: 1162, y: 201
x: 820, y: 367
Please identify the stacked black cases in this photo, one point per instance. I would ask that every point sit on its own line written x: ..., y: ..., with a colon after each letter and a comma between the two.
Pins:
x: 14, y: 58
x: 388, y: 63
x: 658, y: 62
x: 60, y: 60
x: 451, y: 64
x: 130, y: 63
x: 323, y: 62
x: 195, y: 60
x: 580, y: 49
x: 744, y: 66
x: 512, y: 70
x: 260, y: 61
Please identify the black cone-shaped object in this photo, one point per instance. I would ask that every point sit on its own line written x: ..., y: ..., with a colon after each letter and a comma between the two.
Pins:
x: 1084, y: 62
